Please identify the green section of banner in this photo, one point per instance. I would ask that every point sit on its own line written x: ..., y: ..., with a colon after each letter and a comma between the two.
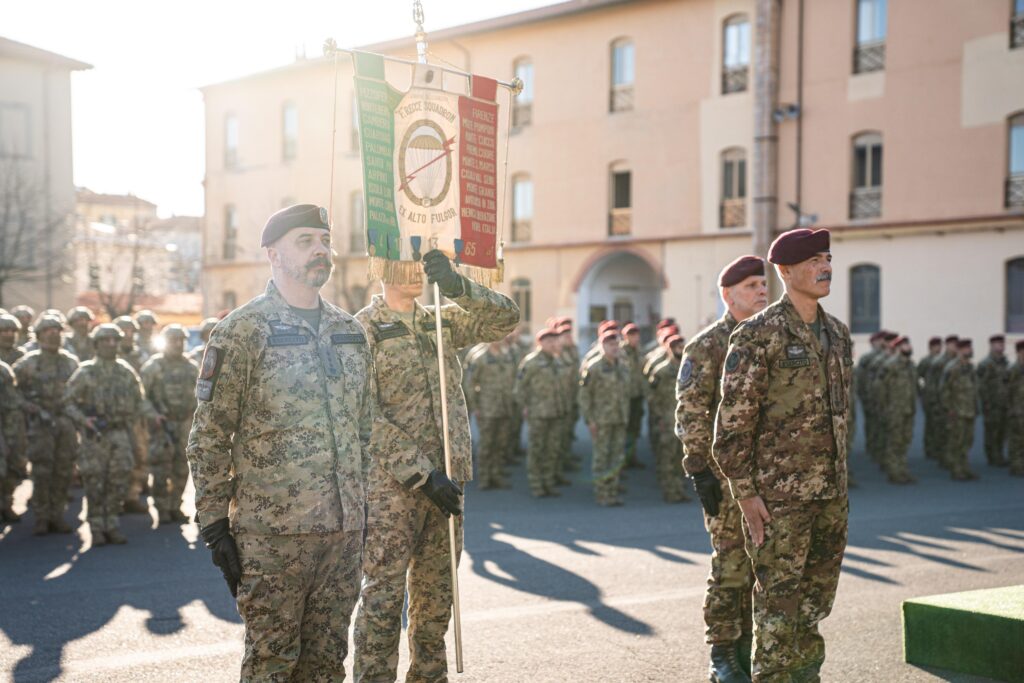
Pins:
x: 376, y: 104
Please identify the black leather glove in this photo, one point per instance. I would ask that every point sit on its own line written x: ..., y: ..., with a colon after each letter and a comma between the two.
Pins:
x: 443, y: 492
x: 709, y: 490
x: 438, y: 268
x: 218, y: 539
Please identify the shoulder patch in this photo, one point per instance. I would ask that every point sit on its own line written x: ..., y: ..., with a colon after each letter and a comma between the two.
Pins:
x: 686, y: 373
x: 213, y: 358
x: 732, y: 361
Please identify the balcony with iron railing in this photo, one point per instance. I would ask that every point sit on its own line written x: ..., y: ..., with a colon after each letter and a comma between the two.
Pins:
x: 1015, y: 192
x: 522, y: 114
x: 733, y: 213
x: 1017, y: 31
x: 522, y: 231
x: 868, y: 57
x: 620, y: 222
x: 866, y: 202
x: 735, y: 79
x: 622, y: 97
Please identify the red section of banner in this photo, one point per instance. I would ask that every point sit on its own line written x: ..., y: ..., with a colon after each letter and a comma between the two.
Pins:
x: 478, y: 187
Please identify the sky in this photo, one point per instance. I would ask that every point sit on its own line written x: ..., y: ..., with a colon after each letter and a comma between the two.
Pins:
x: 137, y: 115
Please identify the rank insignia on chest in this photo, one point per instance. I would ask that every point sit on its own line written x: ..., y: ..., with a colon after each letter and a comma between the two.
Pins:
x: 796, y: 351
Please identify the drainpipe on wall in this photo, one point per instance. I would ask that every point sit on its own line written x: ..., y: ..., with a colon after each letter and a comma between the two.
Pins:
x: 766, y: 142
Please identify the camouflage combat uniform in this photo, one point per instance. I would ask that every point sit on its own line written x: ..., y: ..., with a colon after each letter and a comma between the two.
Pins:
x: 12, y: 435
x: 170, y: 389
x: 278, y: 442
x: 867, y: 403
x: 959, y: 392
x: 490, y: 394
x: 926, y: 393
x: 727, y: 606
x: 520, y: 350
x: 109, y: 390
x: 940, y: 425
x: 81, y: 345
x: 668, y: 452
x: 52, y: 441
x: 1015, y: 418
x: 540, y: 389
x: 604, y: 403
x: 992, y: 374
x: 898, y: 393
x: 632, y: 358
x: 570, y: 358
x: 406, y: 532
x: 17, y: 464
x: 780, y: 434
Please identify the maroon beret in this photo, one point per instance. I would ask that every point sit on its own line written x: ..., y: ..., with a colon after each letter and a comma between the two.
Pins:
x: 673, y: 339
x: 665, y: 322
x: 877, y: 335
x: 545, y: 333
x: 666, y: 332
x: 1020, y: 345
x: 899, y: 340
x: 551, y: 322
x: 952, y: 339
x: 997, y: 338
x: 889, y: 336
x: 297, y: 216
x: 630, y: 329
x: 565, y: 321
x: 796, y: 246
x: 935, y: 341
x: 609, y: 334
x: 739, y: 270
x: 607, y: 325
x: 963, y: 344
x: 564, y: 328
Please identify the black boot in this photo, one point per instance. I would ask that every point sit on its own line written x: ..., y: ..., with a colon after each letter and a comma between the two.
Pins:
x: 745, y: 652
x: 725, y: 665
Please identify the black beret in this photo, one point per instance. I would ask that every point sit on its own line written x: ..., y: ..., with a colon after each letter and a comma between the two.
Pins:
x: 964, y: 344
x: 796, y: 246
x: 739, y: 270
x: 297, y: 216
x: 952, y: 339
x: 935, y: 341
x: 996, y: 338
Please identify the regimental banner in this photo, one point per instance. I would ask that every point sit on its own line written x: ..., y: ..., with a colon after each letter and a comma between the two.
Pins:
x: 430, y: 171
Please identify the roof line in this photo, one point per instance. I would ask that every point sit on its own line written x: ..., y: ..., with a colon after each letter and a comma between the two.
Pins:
x: 15, y: 49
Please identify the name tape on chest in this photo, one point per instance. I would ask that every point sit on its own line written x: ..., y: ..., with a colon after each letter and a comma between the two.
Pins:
x: 287, y: 340
x: 348, y: 338
x: 383, y: 331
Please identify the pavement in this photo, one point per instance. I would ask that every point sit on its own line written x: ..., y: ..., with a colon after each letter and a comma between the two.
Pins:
x: 553, y: 590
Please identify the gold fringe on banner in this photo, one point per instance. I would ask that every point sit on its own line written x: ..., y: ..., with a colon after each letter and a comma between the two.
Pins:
x: 488, y: 277
x: 410, y: 272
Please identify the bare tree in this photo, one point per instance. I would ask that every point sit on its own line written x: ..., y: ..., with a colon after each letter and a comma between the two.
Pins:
x: 115, y: 273
x: 33, y: 240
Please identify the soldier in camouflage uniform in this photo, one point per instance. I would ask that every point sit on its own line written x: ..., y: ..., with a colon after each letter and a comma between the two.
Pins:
x: 1015, y: 413
x: 16, y: 461
x: 147, y: 322
x: 727, y: 607
x: 876, y: 441
x: 129, y: 352
x: 10, y: 329
x: 12, y: 442
x: 958, y: 391
x: 933, y: 383
x: 569, y: 354
x: 605, y: 383
x: 520, y: 349
x: 992, y: 375
x: 281, y: 431
x: 25, y: 315
x: 170, y: 380
x: 490, y: 399
x: 897, y: 378
x: 409, y: 494
x: 926, y: 393
x: 780, y: 439
x: 631, y: 355
x: 52, y: 442
x: 661, y: 404
x: 205, y: 330
x: 540, y: 389
x: 104, y: 397
x: 79, y: 320
x: 652, y: 359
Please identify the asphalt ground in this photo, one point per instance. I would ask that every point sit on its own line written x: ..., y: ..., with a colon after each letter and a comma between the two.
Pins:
x: 552, y: 590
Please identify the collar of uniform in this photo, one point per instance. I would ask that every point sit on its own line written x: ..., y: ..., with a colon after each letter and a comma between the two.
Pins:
x: 383, y: 313
x: 801, y: 329
x: 730, y: 320
x: 329, y: 316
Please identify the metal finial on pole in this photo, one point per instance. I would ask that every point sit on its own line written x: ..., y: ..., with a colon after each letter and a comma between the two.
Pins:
x: 421, y: 35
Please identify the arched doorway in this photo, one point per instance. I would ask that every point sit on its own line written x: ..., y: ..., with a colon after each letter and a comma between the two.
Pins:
x: 621, y: 285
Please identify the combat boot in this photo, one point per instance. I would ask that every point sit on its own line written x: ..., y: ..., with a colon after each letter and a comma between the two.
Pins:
x: 133, y: 506
x: 725, y: 665
x: 13, y: 517
x: 115, y: 536
x: 59, y: 526
x: 179, y: 516
x: 745, y: 652
x: 41, y: 528
x: 98, y: 537
x: 562, y: 481
x: 164, y: 517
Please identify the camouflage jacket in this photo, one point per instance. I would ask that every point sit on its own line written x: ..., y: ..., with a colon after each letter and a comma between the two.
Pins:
x: 698, y: 394
x: 12, y: 425
x: 82, y: 346
x: 631, y: 356
x: 898, y: 386
x: 493, y: 377
x: 862, y: 371
x: 42, y: 376
x: 1015, y: 391
x: 106, y: 389
x: 408, y: 434
x: 782, y: 422
x: 283, y: 420
x: 11, y: 355
x: 570, y: 358
x: 992, y: 375
x: 653, y: 359
x: 661, y: 399
x: 133, y: 357
x: 541, y: 386
x: 958, y: 389
x: 170, y: 386
x: 933, y: 380
x: 922, y: 377
x: 604, y: 391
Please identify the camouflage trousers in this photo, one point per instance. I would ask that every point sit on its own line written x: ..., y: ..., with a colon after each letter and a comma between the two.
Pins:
x: 169, y: 465
x: 875, y: 434
x: 900, y: 432
x: 1015, y: 444
x: 959, y: 432
x: 940, y: 434
x: 668, y: 460
x: 140, y: 470
x: 296, y: 598
x: 406, y: 549
x: 727, y: 601
x: 492, y: 454
x: 932, y: 445
x: 545, y: 438
x: 609, y: 458
x: 566, y: 430
x: 12, y: 478
x: 796, y: 573
x: 633, y: 427
x: 515, y: 434
x: 105, y: 463
x: 51, y: 450
x: 995, y: 435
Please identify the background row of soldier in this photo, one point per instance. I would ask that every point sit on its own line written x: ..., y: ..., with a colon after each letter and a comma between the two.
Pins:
x: 952, y: 392
x: 99, y: 398
x: 550, y: 386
